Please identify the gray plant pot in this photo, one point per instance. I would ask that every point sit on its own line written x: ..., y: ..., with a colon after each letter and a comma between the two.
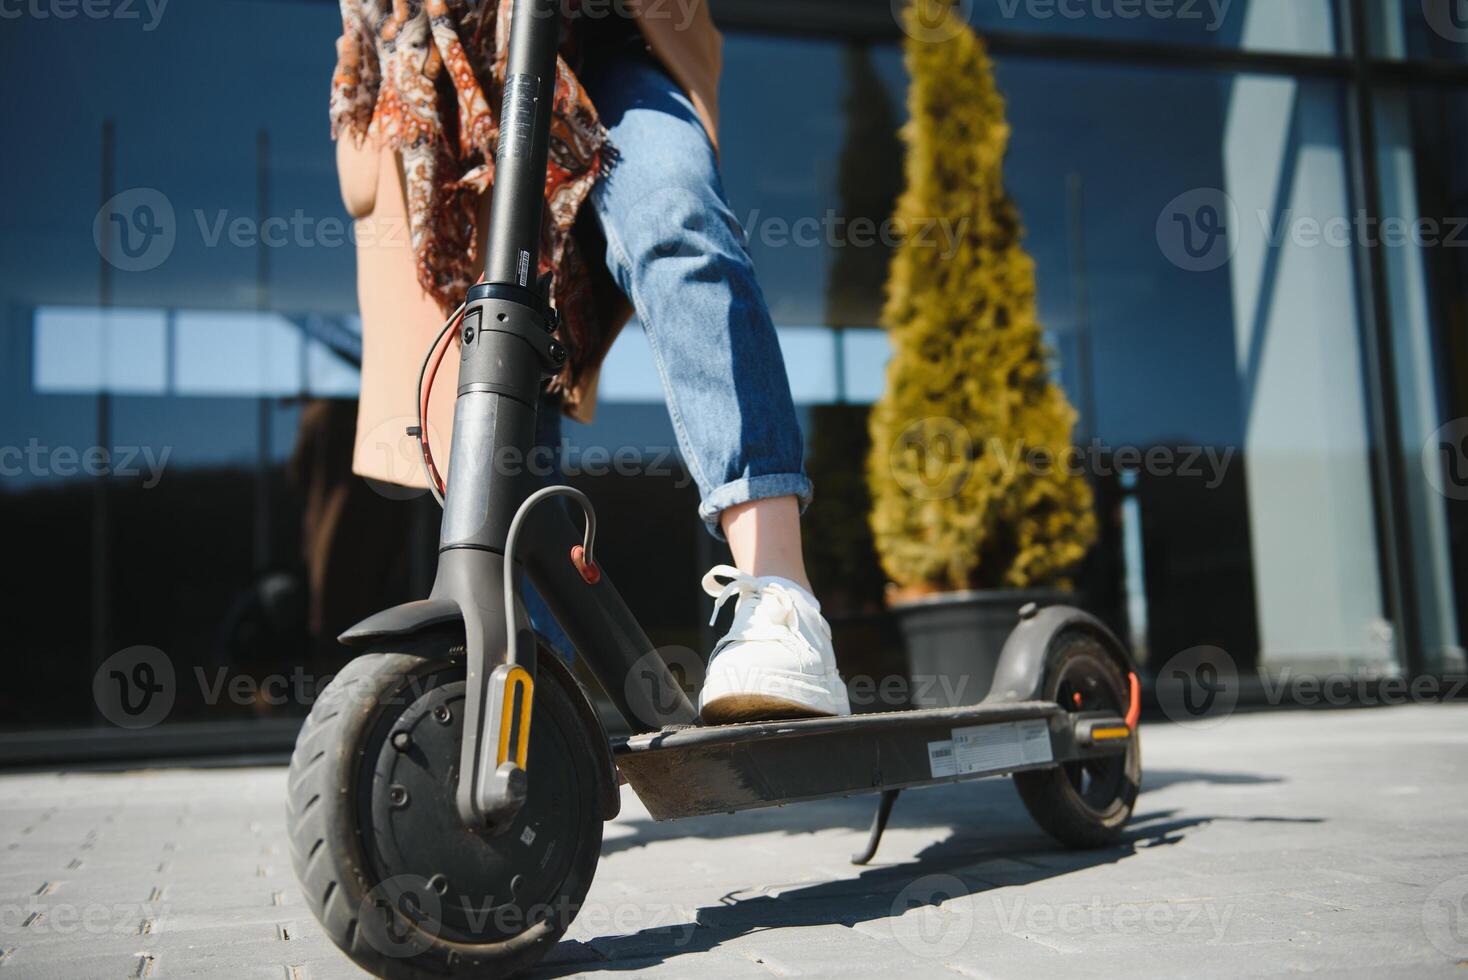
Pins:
x: 954, y: 640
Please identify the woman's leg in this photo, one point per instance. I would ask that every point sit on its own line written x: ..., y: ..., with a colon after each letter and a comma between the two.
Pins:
x: 676, y: 250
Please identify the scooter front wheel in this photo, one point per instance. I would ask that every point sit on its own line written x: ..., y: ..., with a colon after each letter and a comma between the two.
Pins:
x: 396, y: 879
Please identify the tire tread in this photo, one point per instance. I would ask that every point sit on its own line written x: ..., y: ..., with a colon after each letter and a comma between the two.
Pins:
x: 321, y: 825
x: 1043, y: 791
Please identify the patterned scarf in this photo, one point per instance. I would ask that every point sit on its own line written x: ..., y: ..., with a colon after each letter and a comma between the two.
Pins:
x: 426, y: 78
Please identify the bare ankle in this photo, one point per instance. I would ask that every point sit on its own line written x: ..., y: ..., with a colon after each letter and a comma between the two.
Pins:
x: 764, y: 536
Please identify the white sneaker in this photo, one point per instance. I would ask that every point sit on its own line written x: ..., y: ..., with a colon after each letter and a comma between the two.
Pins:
x: 776, y: 660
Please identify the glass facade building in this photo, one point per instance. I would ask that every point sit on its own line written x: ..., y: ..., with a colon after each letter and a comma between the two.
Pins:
x: 1250, y: 224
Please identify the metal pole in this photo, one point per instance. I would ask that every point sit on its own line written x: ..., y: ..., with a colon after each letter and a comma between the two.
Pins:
x: 520, y: 158
x: 1379, y: 374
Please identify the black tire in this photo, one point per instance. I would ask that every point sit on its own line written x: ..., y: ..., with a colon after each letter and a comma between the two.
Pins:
x: 355, y: 855
x: 1087, y: 803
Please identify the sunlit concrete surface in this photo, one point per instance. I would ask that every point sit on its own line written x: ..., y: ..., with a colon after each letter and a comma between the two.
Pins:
x: 1280, y: 842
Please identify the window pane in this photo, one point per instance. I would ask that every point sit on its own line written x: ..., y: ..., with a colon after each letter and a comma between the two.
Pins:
x: 87, y: 350
x: 864, y: 364
x: 1422, y: 30
x: 1420, y: 134
x: 1217, y: 325
x: 160, y: 354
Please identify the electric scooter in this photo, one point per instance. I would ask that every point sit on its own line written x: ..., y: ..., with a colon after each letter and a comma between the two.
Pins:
x: 448, y: 789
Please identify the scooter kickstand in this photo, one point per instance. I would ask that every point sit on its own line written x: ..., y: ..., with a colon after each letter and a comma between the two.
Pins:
x: 879, y: 824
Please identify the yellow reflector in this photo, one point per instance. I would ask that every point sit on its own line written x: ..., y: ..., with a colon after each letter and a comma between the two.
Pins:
x: 1112, y: 732
x: 517, y: 678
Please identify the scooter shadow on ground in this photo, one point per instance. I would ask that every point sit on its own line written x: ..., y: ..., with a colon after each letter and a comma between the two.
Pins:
x: 985, y: 803
x: 946, y: 870
x: 991, y: 844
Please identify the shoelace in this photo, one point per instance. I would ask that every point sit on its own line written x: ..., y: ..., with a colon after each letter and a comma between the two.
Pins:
x: 774, y: 606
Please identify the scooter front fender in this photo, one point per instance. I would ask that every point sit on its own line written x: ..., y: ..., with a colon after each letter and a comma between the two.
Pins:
x: 412, y: 619
x: 407, y: 619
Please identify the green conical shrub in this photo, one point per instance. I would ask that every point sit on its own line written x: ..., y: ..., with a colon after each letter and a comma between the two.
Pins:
x: 972, y: 476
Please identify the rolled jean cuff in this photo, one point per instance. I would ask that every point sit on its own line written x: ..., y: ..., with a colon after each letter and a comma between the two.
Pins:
x: 753, y: 488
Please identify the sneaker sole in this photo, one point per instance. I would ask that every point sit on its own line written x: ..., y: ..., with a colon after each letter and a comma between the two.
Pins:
x: 731, y: 709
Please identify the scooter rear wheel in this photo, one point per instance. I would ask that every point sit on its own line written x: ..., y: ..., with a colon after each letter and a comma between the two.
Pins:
x: 396, y: 879
x: 1085, y: 803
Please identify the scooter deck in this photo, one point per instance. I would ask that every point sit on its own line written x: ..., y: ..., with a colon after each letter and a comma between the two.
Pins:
x: 686, y: 772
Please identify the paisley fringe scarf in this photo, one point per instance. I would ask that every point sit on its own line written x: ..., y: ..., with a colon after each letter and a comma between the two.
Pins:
x: 425, y: 78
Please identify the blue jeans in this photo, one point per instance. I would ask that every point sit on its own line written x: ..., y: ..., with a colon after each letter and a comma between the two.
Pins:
x: 676, y: 250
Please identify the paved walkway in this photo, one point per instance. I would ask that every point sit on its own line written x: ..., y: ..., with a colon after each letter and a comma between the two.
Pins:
x: 1327, y: 841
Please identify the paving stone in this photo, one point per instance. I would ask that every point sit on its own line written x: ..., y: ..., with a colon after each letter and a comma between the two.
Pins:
x: 1275, y: 843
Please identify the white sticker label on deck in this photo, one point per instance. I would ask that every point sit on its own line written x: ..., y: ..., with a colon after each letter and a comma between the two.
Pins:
x: 940, y: 759
x: 991, y: 748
